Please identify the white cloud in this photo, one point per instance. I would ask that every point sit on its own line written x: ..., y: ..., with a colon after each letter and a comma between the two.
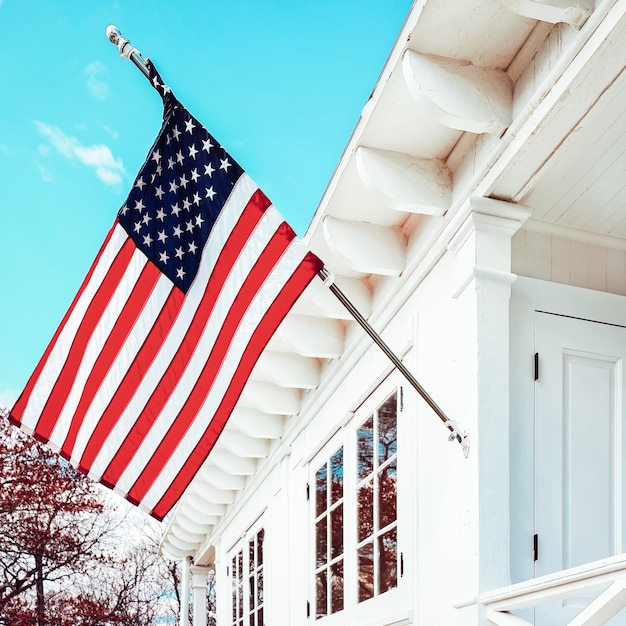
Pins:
x: 8, y: 397
x: 98, y: 88
x: 98, y: 157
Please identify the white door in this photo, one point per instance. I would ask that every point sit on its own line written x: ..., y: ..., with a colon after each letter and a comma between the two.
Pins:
x: 579, y: 448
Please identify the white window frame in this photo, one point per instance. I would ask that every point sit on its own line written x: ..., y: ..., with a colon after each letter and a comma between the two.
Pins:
x: 242, y: 547
x: 398, y: 600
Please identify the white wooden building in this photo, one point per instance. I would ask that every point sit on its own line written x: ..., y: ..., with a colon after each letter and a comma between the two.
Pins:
x: 477, y: 219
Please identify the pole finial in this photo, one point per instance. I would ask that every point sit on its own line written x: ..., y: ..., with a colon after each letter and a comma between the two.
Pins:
x: 126, y: 49
x: 113, y: 34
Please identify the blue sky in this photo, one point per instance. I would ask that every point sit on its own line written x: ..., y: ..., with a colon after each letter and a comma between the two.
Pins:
x: 280, y: 83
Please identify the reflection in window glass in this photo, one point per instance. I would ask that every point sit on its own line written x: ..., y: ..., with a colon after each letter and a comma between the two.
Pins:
x: 377, y: 518
x: 329, y: 544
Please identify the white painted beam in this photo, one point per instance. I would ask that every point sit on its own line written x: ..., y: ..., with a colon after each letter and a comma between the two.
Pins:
x: 271, y: 398
x: 317, y: 299
x: 242, y: 445
x: 186, y: 546
x: 573, y: 12
x: 203, y: 506
x: 193, y: 527
x: 229, y: 462
x: 365, y: 247
x: 290, y: 370
x: 220, y: 479
x: 256, y: 423
x: 313, y: 336
x: 185, y: 535
x: 406, y: 183
x: 462, y: 96
x: 211, y: 494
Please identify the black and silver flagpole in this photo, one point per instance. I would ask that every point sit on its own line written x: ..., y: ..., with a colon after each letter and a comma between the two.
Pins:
x: 131, y: 53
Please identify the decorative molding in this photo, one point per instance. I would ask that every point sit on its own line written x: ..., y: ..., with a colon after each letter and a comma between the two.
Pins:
x: 366, y: 247
x: 462, y: 96
x: 405, y: 182
x: 572, y: 12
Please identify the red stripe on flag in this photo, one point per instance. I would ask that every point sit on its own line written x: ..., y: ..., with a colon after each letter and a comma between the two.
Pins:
x: 119, y: 333
x: 292, y: 289
x: 132, y: 379
x: 93, y: 314
x: 254, y: 281
x: 17, y: 412
x: 249, y: 219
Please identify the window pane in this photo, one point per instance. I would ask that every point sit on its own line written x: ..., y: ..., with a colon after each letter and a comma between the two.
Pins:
x: 365, y: 449
x: 320, y: 594
x: 388, y: 561
x: 234, y: 605
x: 240, y: 566
x: 252, y: 594
x: 320, y: 490
x: 366, y: 571
x: 336, y: 587
x: 365, y: 497
x: 259, y: 588
x: 336, y: 527
x: 260, y: 620
x: 321, y: 542
x: 387, y: 429
x: 387, y: 495
x: 259, y: 548
x: 336, y: 476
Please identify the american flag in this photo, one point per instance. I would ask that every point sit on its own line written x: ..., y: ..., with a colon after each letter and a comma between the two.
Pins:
x: 193, y: 279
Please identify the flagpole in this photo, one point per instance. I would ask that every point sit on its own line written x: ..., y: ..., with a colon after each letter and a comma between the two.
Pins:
x: 129, y: 52
x: 329, y: 280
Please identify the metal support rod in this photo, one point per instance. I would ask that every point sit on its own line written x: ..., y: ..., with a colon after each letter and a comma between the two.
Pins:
x: 126, y: 49
x: 462, y: 438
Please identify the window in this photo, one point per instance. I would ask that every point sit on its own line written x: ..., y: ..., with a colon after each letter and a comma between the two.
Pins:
x: 247, y: 581
x: 329, y: 536
x: 377, y: 519
x: 355, y: 511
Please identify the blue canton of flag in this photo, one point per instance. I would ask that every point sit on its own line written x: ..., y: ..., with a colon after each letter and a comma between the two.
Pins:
x: 178, y: 194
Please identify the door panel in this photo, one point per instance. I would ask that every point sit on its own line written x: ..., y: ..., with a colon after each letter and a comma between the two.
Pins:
x: 579, y: 443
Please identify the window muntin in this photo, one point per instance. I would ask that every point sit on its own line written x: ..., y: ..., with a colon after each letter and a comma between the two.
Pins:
x: 329, y: 541
x: 377, y: 518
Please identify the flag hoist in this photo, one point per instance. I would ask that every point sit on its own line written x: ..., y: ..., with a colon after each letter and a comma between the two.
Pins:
x: 191, y: 282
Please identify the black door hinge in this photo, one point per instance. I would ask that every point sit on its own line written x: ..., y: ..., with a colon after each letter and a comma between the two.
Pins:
x: 308, y: 609
x: 536, y: 365
x: 535, y: 547
x: 401, y: 564
x: 308, y: 492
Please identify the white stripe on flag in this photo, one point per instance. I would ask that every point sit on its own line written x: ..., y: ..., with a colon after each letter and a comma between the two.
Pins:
x: 56, y: 359
x: 95, y: 344
x: 122, y: 363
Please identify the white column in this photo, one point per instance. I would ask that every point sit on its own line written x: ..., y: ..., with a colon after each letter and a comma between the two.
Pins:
x: 184, y: 592
x: 484, y: 244
x: 198, y: 586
